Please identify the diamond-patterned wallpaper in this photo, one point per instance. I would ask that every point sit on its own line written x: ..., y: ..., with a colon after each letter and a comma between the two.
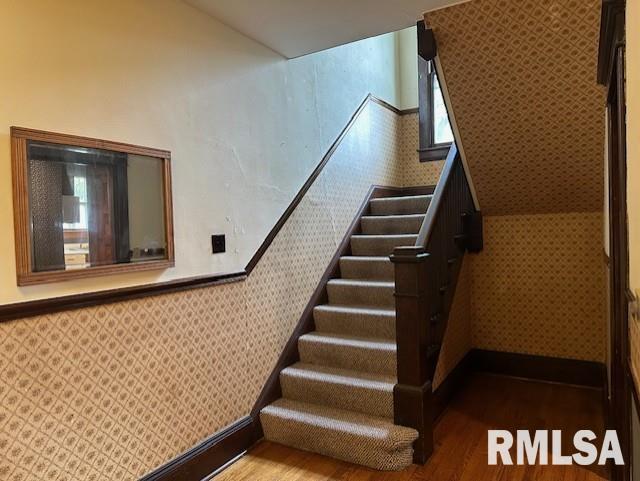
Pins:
x: 414, y: 172
x: 521, y: 75
x: 457, y: 338
x: 538, y: 287
x: 112, y: 392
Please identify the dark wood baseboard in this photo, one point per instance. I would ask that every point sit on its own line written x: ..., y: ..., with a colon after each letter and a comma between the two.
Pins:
x: 541, y: 368
x: 208, y: 456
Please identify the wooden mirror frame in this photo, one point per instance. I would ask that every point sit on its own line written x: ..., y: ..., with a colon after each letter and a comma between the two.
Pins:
x: 21, y: 209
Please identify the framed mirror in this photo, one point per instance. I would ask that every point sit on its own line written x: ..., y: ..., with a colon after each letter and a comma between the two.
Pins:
x: 87, y: 207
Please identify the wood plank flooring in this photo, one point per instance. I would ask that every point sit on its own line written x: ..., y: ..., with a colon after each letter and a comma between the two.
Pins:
x: 487, y: 402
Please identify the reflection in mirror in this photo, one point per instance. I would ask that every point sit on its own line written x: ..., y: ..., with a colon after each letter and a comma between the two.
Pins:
x: 93, y: 207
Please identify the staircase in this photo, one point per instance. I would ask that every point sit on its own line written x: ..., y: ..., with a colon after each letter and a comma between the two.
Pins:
x: 338, y: 399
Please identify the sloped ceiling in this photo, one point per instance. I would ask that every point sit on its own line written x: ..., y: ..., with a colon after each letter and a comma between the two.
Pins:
x: 521, y: 76
x: 298, y: 27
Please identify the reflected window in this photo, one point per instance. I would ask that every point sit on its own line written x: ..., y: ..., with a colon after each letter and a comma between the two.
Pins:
x: 93, y: 207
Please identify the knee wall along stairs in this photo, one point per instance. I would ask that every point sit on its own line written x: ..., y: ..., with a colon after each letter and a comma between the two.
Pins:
x: 338, y: 399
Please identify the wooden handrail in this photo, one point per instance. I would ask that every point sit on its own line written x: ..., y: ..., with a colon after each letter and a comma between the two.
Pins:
x: 434, y: 207
x: 425, y: 280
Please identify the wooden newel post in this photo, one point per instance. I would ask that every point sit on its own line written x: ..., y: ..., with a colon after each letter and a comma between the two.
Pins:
x: 412, y: 394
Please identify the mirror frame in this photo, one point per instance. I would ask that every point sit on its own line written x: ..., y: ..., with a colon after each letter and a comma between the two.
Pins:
x: 21, y: 211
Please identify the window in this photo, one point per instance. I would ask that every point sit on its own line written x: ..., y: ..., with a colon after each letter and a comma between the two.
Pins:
x: 436, y: 135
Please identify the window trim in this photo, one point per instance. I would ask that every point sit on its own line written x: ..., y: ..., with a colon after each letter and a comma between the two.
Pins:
x: 428, y: 150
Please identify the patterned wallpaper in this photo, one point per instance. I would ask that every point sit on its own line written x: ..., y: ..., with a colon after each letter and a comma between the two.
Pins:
x: 457, y: 338
x: 112, y: 392
x: 414, y: 172
x: 521, y: 75
x: 538, y: 287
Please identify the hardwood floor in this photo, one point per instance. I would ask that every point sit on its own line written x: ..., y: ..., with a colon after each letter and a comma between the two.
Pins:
x: 488, y: 402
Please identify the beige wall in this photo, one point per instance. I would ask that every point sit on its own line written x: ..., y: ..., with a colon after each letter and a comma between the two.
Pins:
x: 633, y: 169
x: 245, y: 127
x: 407, y: 48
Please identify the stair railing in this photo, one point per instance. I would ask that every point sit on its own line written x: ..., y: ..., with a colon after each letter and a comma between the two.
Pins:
x: 425, y: 278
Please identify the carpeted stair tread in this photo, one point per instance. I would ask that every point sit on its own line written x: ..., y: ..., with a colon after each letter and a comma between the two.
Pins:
x: 353, y: 437
x: 339, y: 388
x: 356, y: 321
x: 356, y: 292
x: 347, y: 352
x: 380, y: 245
x: 412, y: 204
x: 379, y: 268
x: 392, y: 224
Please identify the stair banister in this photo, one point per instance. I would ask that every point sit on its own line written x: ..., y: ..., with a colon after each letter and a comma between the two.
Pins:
x: 425, y: 279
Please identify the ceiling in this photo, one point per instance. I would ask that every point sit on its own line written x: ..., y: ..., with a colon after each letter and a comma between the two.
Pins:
x: 298, y: 27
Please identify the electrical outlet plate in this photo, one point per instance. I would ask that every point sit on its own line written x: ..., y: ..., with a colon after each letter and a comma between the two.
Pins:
x: 218, y: 243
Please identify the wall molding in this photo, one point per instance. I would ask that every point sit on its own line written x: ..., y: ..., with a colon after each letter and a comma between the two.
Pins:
x: 540, y: 368
x: 612, y: 24
x: 39, y: 307
x: 209, y: 455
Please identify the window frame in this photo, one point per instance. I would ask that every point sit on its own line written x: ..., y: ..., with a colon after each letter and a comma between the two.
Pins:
x: 428, y: 149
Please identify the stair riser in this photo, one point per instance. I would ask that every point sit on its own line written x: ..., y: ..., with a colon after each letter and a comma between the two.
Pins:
x: 363, y: 399
x: 345, y: 295
x: 394, y: 225
x: 348, y: 357
x: 348, y: 447
x: 400, y: 206
x: 377, y: 246
x: 383, y: 327
x: 366, y: 270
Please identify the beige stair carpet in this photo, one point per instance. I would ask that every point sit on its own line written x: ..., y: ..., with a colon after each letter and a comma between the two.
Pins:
x: 338, y: 400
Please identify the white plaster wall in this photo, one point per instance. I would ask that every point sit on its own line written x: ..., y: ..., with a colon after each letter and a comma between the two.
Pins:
x: 407, y: 45
x: 245, y: 126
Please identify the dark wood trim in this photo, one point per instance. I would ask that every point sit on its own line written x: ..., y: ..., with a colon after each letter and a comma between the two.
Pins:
x: 51, y: 305
x: 430, y: 154
x: 47, y: 306
x: 619, y: 258
x: 542, y: 368
x: 208, y: 456
x: 612, y: 24
x: 438, y: 197
x: 314, y: 175
x: 271, y: 391
x: 412, y: 111
x: 634, y: 388
x: 427, y: 46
